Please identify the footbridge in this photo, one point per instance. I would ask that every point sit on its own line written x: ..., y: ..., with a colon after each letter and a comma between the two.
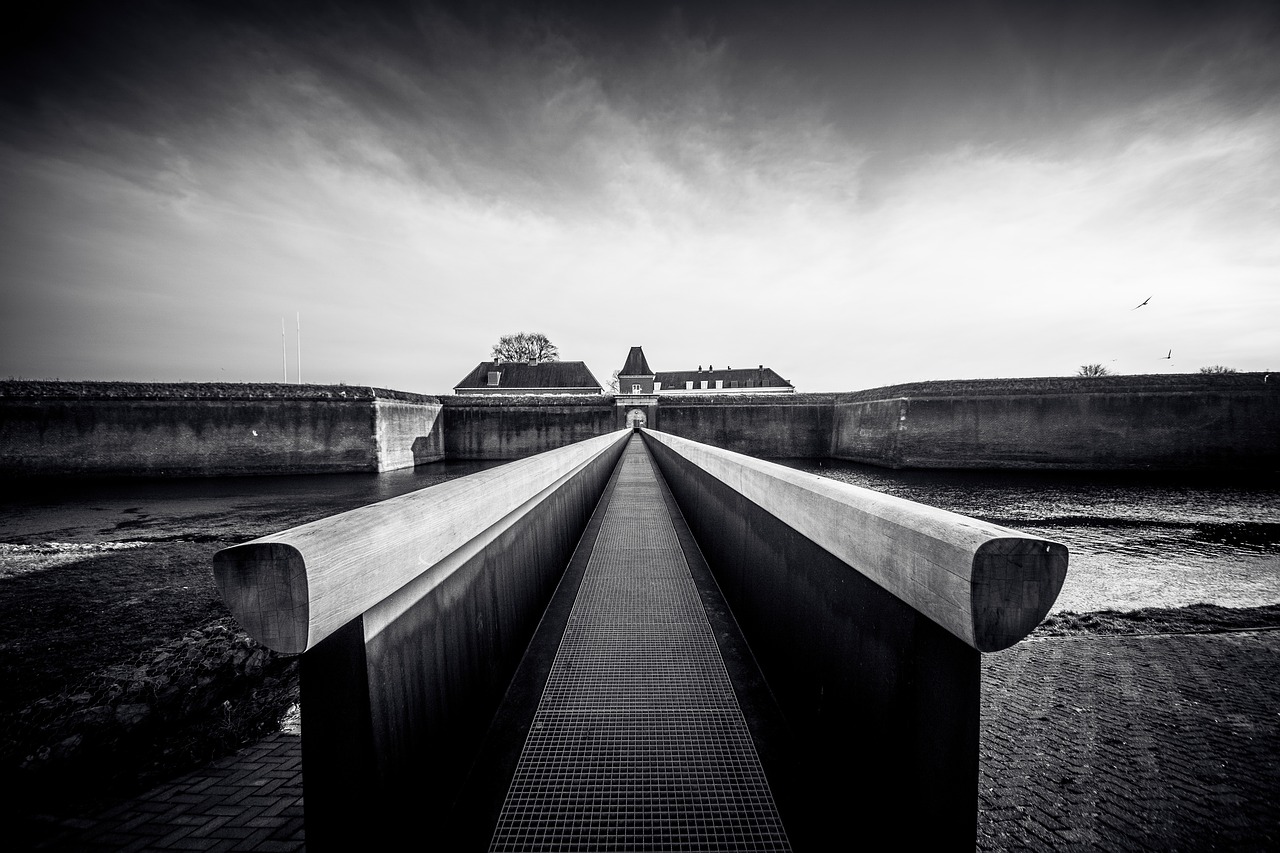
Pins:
x: 638, y: 642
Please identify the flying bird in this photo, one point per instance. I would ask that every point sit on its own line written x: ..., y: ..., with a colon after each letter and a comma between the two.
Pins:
x: 1139, y: 305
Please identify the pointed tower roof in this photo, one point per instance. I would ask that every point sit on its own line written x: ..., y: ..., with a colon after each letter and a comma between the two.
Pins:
x: 636, y: 364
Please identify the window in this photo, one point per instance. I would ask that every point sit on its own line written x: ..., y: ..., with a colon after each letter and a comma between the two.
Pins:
x: 635, y: 389
x: 733, y: 383
x: 494, y: 376
x: 719, y: 384
x: 688, y: 385
x: 704, y: 385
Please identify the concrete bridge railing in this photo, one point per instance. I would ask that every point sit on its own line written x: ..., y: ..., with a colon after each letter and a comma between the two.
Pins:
x: 867, y: 615
x: 412, y: 615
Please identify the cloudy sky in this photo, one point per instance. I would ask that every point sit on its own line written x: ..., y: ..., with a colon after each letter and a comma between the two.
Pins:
x: 855, y: 194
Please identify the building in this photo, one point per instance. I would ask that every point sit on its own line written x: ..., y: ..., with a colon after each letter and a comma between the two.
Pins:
x: 732, y: 380
x: 636, y: 378
x: 636, y: 402
x: 518, y: 377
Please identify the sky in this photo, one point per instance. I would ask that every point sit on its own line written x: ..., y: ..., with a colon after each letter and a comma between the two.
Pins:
x: 854, y: 194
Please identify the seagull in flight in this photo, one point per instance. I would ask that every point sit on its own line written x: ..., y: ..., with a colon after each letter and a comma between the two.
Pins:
x: 1144, y: 302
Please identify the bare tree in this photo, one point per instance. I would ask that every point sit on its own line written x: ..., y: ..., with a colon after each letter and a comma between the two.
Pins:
x: 1093, y: 370
x: 1217, y: 368
x: 533, y: 347
x: 613, y: 382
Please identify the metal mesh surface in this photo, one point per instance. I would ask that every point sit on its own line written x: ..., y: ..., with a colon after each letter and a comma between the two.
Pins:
x: 638, y: 743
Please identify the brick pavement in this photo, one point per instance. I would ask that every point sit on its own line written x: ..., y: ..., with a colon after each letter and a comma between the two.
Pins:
x: 251, y: 801
x: 1168, y: 743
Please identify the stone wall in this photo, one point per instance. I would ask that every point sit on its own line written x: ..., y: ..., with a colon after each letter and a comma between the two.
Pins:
x: 777, y: 426
x: 1165, y: 422
x: 1188, y: 421
x: 408, y: 433
x: 794, y: 425
x: 515, y: 427
x: 213, y: 429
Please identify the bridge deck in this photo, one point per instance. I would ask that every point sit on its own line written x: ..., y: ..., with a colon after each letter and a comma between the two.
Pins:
x: 638, y: 741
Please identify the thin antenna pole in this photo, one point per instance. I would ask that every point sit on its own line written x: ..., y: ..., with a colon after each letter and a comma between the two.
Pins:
x: 284, y: 351
x: 299, y: 347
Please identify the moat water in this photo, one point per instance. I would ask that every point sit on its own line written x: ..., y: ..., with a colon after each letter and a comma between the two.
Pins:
x: 1135, y: 540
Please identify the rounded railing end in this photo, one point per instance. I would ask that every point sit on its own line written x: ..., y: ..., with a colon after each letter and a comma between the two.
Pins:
x: 264, y: 585
x: 1014, y: 583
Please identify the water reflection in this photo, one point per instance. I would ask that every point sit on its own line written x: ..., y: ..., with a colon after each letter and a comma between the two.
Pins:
x: 1135, y: 540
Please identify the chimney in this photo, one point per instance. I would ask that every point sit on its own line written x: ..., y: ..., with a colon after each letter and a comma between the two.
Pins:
x: 699, y: 368
x: 762, y: 367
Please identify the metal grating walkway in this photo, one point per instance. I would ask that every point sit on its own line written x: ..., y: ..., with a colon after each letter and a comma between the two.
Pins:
x: 638, y: 743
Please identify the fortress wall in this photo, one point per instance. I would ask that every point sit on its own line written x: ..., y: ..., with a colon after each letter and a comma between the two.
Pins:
x: 1128, y: 423
x: 794, y: 426
x: 516, y: 427
x: 408, y: 434
x: 867, y: 431
x: 95, y: 429
x: 1185, y: 421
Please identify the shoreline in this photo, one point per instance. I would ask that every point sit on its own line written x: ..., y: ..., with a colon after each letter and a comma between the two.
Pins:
x: 1200, y: 618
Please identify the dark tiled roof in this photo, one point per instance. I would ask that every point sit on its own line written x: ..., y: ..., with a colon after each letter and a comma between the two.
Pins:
x: 518, y: 374
x: 760, y: 377
x: 636, y: 364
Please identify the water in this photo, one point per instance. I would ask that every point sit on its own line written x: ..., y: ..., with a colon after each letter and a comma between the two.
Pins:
x: 45, y: 523
x: 1135, y: 540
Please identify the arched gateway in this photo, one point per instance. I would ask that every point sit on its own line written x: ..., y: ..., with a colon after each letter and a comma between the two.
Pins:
x: 636, y: 418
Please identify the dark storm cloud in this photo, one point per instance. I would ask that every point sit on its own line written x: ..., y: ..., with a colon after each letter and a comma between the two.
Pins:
x: 241, y: 159
x: 908, y: 76
x: 464, y: 98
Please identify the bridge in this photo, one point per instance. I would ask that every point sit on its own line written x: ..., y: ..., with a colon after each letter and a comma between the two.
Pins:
x: 640, y: 642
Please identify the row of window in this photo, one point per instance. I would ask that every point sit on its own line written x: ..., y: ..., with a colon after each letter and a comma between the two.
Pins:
x: 688, y: 385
